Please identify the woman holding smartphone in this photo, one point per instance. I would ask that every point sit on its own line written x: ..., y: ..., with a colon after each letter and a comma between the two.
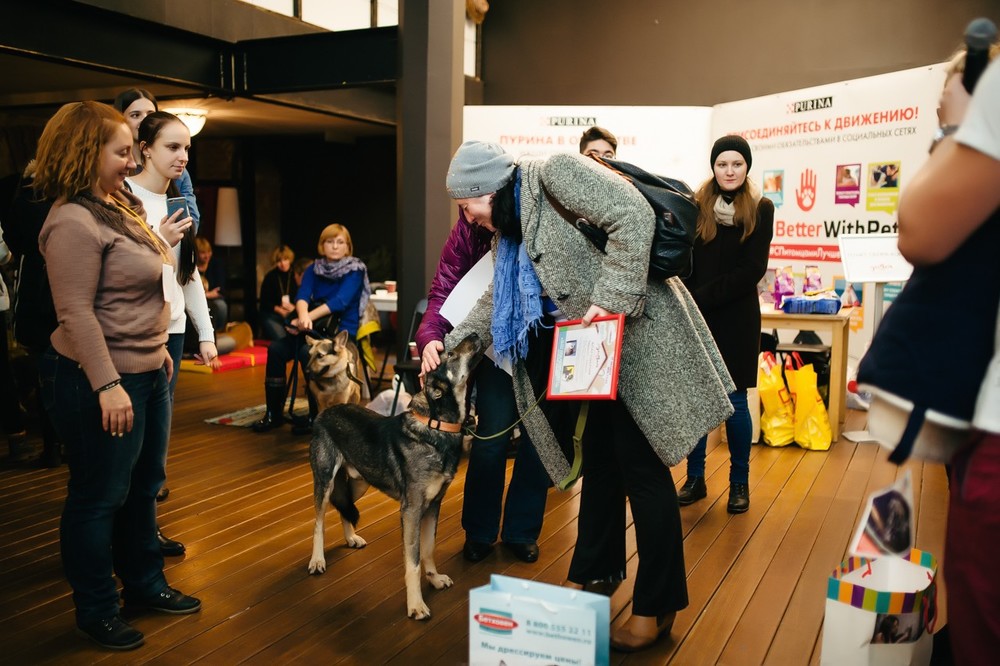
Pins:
x: 164, y: 142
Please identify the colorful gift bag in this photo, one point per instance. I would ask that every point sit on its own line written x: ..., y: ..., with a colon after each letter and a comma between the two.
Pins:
x: 777, y: 422
x: 515, y: 621
x: 881, y: 611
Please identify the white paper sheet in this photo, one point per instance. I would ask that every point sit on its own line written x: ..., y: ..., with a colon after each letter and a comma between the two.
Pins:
x: 468, y: 290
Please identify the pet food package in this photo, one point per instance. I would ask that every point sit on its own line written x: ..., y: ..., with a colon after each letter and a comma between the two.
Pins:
x: 881, y: 611
x: 516, y: 621
x: 784, y: 285
x: 813, y: 280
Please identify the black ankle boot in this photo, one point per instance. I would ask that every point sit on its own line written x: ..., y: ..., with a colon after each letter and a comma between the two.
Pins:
x: 739, y: 498
x: 303, y: 425
x: 692, y: 491
x: 274, y: 394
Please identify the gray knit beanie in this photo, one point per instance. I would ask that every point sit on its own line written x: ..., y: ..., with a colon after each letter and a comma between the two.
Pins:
x: 478, y: 168
x: 732, y: 142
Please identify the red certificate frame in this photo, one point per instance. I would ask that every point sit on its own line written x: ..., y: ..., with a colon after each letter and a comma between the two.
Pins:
x: 586, y: 360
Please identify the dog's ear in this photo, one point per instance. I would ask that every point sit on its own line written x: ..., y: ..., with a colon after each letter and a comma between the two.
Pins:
x: 313, y: 342
x: 340, y: 341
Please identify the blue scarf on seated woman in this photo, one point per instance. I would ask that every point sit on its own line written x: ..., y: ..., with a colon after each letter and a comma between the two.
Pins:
x: 334, y: 270
x: 517, y: 294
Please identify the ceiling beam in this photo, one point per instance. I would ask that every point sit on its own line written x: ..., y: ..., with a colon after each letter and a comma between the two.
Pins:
x: 102, y: 40
x: 94, y: 38
x: 317, y: 61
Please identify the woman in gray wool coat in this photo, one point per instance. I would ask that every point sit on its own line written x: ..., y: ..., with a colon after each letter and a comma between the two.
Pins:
x: 672, y: 386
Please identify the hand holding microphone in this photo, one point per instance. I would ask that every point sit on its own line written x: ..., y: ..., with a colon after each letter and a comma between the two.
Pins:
x: 979, y: 36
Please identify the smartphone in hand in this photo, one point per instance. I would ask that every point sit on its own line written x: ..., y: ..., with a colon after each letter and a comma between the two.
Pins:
x: 175, y: 204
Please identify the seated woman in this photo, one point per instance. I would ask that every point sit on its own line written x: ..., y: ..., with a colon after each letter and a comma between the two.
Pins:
x: 332, y: 297
x: 277, y: 294
x: 213, y: 274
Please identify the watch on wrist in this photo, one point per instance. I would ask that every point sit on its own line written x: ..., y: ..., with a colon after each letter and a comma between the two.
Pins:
x: 941, y: 133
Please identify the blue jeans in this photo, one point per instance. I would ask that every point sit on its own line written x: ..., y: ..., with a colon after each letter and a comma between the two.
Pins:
x: 175, y: 347
x: 484, y: 479
x: 738, y: 434
x: 272, y: 327
x: 109, y: 520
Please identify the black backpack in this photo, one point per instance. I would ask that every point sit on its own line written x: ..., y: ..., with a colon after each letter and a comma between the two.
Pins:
x: 676, y: 220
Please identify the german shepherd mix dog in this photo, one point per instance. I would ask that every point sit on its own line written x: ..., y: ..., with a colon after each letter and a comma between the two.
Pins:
x: 334, y: 370
x: 411, y: 457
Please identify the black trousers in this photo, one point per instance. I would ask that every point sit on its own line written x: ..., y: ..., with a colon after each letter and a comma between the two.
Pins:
x: 618, y: 462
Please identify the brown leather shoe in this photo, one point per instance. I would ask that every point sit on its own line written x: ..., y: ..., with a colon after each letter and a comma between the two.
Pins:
x: 640, y: 632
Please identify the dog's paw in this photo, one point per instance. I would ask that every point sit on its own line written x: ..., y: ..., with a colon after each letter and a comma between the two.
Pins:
x: 317, y: 565
x: 419, y: 611
x: 439, y: 581
x: 355, y: 541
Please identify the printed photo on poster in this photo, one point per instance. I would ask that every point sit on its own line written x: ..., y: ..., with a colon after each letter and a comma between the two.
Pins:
x: 848, y: 187
x: 585, y: 359
x: 774, y: 186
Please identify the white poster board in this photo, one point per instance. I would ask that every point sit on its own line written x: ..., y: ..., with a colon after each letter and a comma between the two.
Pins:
x: 873, y: 258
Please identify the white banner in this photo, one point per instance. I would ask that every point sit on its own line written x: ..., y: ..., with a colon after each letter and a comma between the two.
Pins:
x: 672, y: 141
x: 833, y: 158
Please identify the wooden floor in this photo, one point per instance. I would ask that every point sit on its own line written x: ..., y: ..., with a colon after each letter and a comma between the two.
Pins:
x: 241, y: 502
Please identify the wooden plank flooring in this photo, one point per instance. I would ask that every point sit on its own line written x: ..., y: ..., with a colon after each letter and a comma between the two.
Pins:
x: 242, y: 503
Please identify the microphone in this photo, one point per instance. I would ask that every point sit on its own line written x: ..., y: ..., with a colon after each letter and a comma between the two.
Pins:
x: 979, y: 35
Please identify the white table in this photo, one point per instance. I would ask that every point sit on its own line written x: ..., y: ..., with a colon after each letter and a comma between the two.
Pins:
x: 385, y: 302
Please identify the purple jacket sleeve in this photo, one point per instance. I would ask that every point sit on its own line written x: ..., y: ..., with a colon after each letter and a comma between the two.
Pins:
x: 465, y: 246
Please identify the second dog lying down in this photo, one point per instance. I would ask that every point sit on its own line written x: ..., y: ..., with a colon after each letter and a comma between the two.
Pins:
x: 412, y: 457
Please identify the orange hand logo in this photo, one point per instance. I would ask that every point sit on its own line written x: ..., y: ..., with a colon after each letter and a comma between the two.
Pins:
x: 805, y: 194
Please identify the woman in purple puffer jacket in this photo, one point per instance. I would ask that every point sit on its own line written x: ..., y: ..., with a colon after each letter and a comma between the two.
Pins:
x: 484, y: 479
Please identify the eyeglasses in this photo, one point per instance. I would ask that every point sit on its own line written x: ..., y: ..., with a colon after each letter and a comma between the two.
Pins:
x: 606, y: 155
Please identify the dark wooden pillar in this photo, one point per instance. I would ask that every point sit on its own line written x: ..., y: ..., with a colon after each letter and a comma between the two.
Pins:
x: 430, y: 94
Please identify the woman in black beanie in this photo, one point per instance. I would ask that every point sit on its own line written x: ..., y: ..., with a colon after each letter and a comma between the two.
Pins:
x: 735, y: 225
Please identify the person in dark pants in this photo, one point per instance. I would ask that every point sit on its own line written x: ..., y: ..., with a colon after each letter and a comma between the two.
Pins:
x: 484, y: 512
x: 735, y: 225
x: 333, y: 295
x: 105, y: 376
x: 546, y: 269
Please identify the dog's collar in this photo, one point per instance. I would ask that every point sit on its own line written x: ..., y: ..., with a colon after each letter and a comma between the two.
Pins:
x: 437, y: 424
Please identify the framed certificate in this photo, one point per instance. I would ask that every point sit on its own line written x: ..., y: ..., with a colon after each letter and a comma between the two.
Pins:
x: 585, y: 360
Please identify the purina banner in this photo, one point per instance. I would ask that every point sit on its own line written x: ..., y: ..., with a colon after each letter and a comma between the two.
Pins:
x: 669, y: 140
x: 833, y: 158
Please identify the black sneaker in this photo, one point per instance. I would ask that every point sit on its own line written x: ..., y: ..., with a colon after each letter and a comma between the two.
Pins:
x: 168, y: 601
x: 476, y: 551
x: 692, y: 491
x: 113, y: 633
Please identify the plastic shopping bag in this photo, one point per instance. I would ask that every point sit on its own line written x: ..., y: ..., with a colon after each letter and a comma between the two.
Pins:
x: 881, y: 611
x: 812, y: 422
x: 517, y: 621
x: 777, y: 423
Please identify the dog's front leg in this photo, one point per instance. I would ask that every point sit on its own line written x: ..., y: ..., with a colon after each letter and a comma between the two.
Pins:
x: 410, y: 513
x: 428, y: 537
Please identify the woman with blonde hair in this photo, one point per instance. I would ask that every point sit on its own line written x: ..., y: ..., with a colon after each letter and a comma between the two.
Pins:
x: 735, y: 225
x: 333, y: 296
x: 277, y: 294
x: 105, y: 376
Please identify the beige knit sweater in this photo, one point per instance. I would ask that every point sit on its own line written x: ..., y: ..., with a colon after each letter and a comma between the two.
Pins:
x: 108, y: 294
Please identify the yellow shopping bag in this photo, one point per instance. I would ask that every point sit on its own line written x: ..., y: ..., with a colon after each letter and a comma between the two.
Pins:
x: 777, y: 422
x: 812, y: 423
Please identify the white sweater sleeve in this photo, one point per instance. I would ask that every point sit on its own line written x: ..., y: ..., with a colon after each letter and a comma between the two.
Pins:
x: 197, y: 308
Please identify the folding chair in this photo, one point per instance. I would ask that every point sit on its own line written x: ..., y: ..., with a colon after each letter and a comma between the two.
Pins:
x: 408, y: 370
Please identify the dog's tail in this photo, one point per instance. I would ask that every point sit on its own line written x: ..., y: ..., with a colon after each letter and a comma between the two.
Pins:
x: 341, y: 498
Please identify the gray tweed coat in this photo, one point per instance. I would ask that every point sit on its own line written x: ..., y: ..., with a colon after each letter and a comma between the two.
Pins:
x: 672, y: 377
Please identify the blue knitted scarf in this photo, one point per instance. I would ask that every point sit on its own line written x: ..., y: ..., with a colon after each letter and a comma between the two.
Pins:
x: 517, y: 295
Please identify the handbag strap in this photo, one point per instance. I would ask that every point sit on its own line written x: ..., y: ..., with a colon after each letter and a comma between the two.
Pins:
x: 581, y: 426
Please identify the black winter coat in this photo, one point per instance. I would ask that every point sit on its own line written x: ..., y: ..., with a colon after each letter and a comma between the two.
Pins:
x: 724, y: 285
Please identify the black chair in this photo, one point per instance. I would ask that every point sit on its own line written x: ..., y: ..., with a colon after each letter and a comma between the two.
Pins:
x: 407, y: 369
